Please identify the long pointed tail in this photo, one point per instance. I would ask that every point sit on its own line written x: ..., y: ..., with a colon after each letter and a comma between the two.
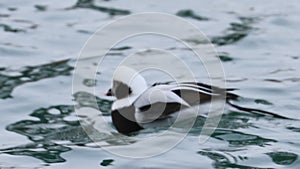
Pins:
x: 230, y: 97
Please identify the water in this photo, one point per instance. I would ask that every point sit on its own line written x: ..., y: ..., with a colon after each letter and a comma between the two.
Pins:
x: 258, y: 45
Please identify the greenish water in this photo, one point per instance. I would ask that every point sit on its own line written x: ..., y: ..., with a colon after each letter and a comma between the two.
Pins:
x: 258, y: 43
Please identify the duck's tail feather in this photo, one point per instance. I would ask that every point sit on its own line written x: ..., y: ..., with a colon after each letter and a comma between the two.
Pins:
x: 252, y: 110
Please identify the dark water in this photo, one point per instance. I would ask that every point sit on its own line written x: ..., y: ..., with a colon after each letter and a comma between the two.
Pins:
x: 258, y: 43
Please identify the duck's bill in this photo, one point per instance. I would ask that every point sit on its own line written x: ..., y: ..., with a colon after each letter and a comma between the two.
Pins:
x: 109, y: 93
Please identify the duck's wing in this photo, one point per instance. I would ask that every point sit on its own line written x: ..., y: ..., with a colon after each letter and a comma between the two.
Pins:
x: 197, y: 93
x: 164, y: 99
x: 158, y: 102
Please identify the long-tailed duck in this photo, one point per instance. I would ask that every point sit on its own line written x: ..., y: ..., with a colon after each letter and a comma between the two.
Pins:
x: 138, y: 104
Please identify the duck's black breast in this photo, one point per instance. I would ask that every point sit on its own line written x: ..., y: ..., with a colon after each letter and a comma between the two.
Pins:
x: 124, y: 120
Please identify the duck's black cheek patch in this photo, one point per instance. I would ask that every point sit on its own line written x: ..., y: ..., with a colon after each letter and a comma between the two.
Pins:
x: 124, y: 120
x: 122, y: 90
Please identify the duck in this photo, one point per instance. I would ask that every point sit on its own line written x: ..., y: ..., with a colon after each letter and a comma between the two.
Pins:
x: 138, y: 104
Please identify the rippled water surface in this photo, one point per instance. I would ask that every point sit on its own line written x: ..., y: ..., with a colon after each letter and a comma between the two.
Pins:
x: 257, y: 41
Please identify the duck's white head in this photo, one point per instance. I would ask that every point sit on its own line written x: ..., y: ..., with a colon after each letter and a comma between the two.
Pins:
x: 127, y: 82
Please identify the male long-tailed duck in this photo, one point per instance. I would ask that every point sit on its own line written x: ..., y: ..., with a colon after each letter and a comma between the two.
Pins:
x: 138, y: 104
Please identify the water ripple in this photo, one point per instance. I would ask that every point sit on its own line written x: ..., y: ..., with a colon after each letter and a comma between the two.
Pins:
x: 31, y: 74
x: 89, y: 4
